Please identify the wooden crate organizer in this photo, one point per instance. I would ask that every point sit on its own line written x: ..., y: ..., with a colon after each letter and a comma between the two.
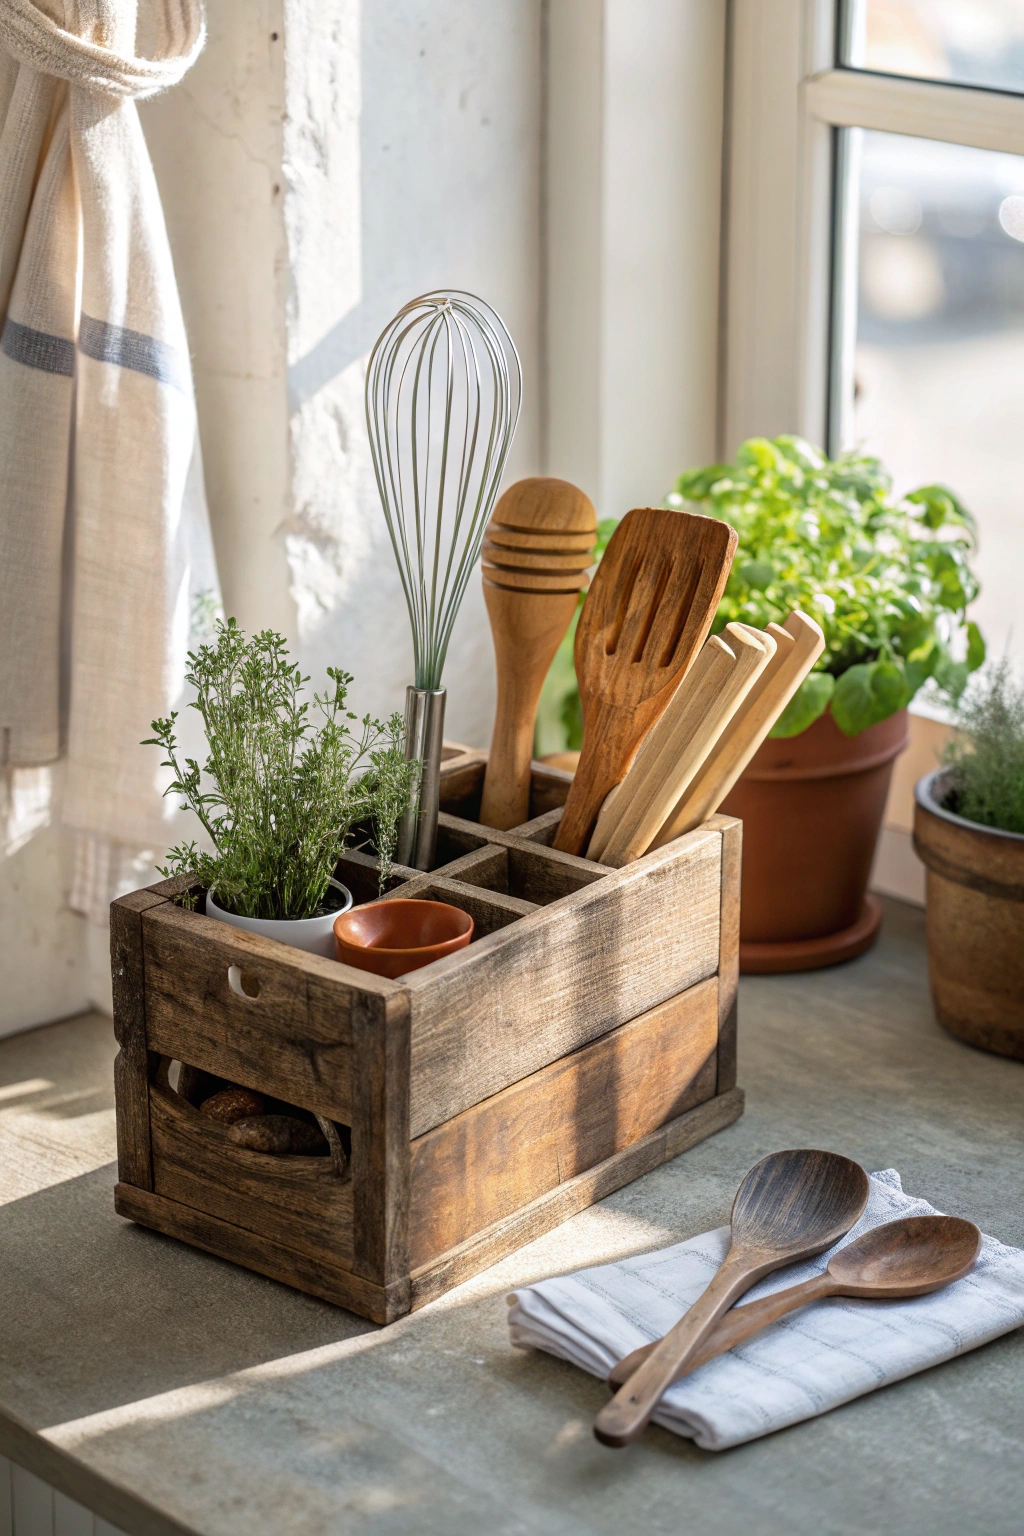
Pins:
x: 585, y: 1036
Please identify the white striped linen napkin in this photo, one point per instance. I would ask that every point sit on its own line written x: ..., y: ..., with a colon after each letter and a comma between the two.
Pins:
x: 817, y: 1358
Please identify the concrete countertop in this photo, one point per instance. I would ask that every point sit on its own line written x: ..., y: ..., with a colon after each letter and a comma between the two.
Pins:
x: 172, y: 1392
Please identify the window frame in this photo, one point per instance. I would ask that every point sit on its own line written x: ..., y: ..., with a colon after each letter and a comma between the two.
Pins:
x: 787, y: 100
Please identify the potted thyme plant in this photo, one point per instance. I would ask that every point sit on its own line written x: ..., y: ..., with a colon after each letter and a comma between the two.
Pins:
x: 969, y: 832
x: 282, y: 789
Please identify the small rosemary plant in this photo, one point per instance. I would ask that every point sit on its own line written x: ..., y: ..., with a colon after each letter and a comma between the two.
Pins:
x: 279, y: 793
x: 988, y: 758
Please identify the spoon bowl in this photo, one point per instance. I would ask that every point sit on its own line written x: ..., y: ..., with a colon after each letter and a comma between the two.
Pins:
x: 909, y: 1257
x: 798, y: 1202
x: 789, y: 1206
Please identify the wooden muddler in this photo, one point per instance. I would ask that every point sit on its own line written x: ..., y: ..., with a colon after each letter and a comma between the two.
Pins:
x: 537, y: 548
x: 709, y: 693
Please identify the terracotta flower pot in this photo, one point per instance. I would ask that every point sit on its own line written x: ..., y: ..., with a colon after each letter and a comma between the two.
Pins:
x: 812, y: 807
x: 975, y: 914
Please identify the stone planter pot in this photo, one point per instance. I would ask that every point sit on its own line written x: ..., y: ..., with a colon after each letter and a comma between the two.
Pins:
x: 975, y: 912
x: 812, y: 808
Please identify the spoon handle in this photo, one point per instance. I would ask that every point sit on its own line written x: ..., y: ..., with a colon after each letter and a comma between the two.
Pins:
x: 622, y: 1419
x: 738, y: 1324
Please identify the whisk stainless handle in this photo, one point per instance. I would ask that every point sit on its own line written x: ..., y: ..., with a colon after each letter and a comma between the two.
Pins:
x: 443, y: 390
x: 424, y: 736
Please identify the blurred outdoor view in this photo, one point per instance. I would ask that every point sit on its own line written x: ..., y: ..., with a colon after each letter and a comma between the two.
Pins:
x: 969, y: 42
x: 939, y: 353
x: 939, y: 365
x: 935, y: 296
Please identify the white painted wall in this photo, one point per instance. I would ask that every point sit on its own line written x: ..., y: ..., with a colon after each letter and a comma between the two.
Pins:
x: 412, y: 161
x: 634, y: 219
x: 321, y: 164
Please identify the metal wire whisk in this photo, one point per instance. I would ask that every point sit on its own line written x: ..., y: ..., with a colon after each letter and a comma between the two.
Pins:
x: 443, y: 390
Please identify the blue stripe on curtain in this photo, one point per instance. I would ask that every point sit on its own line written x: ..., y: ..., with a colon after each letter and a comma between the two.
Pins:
x: 131, y: 349
x: 38, y: 349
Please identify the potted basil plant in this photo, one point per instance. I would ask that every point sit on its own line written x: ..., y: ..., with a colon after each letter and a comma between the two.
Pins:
x: 969, y: 832
x: 889, y: 581
x: 282, y: 789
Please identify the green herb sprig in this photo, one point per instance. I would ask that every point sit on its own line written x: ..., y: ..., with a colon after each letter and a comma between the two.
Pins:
x: 987, y: 757
x: 888, y: 581
x: 280, y: 792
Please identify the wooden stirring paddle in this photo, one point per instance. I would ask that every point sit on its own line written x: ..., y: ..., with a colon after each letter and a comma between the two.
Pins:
x: 799, y: 643
x: 537, y: 549
x: 646, y: 616
x: 790, y: 1206
x: 715, y: 686
x: 909, y: 1257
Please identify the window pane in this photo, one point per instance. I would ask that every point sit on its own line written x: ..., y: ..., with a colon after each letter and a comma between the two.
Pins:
x: 929, y: 339
x: 969, y: 42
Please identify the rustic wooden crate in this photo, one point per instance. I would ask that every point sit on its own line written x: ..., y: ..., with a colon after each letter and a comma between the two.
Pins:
x: 585, y: 1036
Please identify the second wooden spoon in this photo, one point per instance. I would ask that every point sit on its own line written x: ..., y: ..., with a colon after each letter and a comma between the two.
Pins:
x: 790, y: 1206
x: 903, y: 1258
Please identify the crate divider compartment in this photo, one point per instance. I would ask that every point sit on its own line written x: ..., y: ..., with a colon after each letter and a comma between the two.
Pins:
x: 590, y: 1025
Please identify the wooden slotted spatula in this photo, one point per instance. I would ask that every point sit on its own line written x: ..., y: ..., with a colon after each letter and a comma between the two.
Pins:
x: 789, y: 1206
x: 909, y: 1257
x: 715, y: 685
x: 537, y: 548
x: 648, y: 612
x: 799, y: 643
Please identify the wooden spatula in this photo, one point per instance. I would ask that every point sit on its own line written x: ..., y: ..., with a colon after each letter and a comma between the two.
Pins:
x: 647, y: 615
x: 799, y: 643
x: 912, y: 1256
x: 537, y: 548
x: 711, y: 691
x: 789, y: 1206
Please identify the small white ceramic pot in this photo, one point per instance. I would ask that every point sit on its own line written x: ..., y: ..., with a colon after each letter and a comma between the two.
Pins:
x: 313, y: 934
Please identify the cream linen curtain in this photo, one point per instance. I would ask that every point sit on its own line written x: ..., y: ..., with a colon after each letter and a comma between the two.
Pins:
x: 105, y: 553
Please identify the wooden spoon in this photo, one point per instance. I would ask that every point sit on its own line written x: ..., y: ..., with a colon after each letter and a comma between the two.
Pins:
x: 647, y: 615
x: 715, y: 686
x: 909, y: 1257
x: 789, y: 1206
x: 537, y: 549
x: 799, y: 643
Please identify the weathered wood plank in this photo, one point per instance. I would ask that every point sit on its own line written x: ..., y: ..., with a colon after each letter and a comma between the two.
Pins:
x: 504, y: 1153
x: 551, y: 870
x: 562, y: 977
x: 462, y: 782
x: 543, y: 875
x: 484, y: 866
x: 177, y: 885
x: 293, y: 1039
x: 314, y: 1276
x: 131, y: 1065
x: 380, y: 1142
x: 358, y: 870
x: 490, y: 910
x: 549, y: 788
x: 541, y: 829
x: 486, y: 1248
x: 728, y: 948
x: 299, y: 1202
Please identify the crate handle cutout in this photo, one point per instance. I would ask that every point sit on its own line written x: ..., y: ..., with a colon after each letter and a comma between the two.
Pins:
x: 243, y: 983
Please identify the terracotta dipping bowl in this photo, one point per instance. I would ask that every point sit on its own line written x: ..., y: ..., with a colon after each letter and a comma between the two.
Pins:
x: 391, y: 938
